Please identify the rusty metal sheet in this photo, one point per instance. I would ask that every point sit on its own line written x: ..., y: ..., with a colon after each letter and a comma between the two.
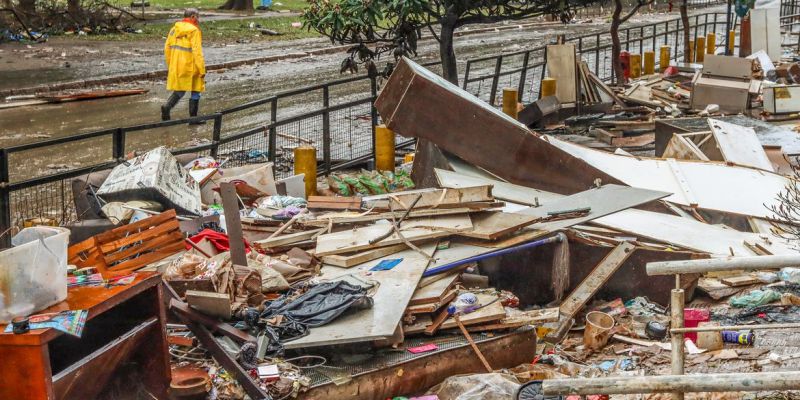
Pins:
x: 417, y: 103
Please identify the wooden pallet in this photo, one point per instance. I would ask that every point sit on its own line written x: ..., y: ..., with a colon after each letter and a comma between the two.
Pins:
x: 130, y: 247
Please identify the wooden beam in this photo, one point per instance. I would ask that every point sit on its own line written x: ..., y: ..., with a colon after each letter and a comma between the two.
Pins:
x: 233, y: 223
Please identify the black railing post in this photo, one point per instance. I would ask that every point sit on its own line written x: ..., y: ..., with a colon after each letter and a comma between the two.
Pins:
x: 326, y: 129
x: 374, y: 111
x: 216, y: 135
x: 597, y: 54
x: 272, y: 132
x: 5, y: 201
x: 522, y: 76
x: 497, y: 66
x: 118, y: 141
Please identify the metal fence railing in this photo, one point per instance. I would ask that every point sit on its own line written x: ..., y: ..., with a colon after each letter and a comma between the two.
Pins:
x: 337, y: 117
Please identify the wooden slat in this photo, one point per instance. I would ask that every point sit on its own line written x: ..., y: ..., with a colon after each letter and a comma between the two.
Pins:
x: 432, y: 198
x: 561, y: 66
x: 148, y: 258
x: 493, y: 225
x: 164, y: 228
x: 158, y: 241
x: 126, y: 230
x: 347, y: 261
x: 284, y: 240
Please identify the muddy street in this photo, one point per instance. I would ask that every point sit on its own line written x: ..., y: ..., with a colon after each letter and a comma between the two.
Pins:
x: 225, y: 89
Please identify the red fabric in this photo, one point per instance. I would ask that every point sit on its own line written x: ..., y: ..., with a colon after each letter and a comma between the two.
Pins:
x: 191, y: 21
x: 219, y: 240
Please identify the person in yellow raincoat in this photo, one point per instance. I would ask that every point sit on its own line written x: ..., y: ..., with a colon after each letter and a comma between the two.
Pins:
x: 183, y: 51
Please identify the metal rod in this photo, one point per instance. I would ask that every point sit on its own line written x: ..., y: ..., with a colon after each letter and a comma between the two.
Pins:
x: 446, y: 267
x: 733, y: 382
x: 735, y: 328
x: 721, y: 264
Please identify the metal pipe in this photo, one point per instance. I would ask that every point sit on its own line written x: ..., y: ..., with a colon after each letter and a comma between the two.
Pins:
x: 676, y: 313
x: 721, y: 264
x: 733, y: 382
x: 735, y: 328
x: 447, y: 267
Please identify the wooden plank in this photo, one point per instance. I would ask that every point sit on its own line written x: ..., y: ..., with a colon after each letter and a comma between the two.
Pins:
x: 739, y: 145
x: 284, y: 240
x: 324, y: 220
x: 148, y: 258
x: 358, y: 239
x: 589, y: 286
x: 135, y: 237
x: 683, y: 149
x: 334, y: 203
x: 742, y: 280
x: 347, y: 261
x: 431, y: 198
x: 432, y: 307
x: 561, y: 66
x: 145, y: 246
x: 210, y: 303
x: 492, y: 225
x: 126, y: 230
x: 491, y: 312
x: 434, y: 292
x: 233, y: 223
x: 394, y: 290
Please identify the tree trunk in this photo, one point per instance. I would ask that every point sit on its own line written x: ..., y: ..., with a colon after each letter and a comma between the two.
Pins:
x: 238, y: 5
x: 685, y: 22
x: 616, y: 47
x: 74, y: 8
x: 446, y: 51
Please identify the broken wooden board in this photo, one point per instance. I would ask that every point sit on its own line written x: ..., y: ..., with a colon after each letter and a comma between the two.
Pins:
x: 394, y: 290
x: 742, y: 280
x: 429, y: 308
x: 351, y: 260
x: 589, y: 286
x: 491, y: 311
x: 334, y: 203
x: 359, y: 218
x: 491, y: 225
x: 431, y: 198
x: 683, y: 149
x: 519, y: 319
x: 415, y: 230
x: 501, y: 190
x: 213, y: 304
x: 709, y: 185
x: 434, y: 292
x: 739, y: 145
x: 284, y: 240
x: 561, y: 66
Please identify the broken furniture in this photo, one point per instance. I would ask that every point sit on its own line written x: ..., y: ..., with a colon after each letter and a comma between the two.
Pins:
x: 724, y: 81
x: 124, y: 324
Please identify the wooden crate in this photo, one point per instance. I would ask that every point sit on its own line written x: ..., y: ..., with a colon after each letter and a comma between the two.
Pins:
x: 130, y: 247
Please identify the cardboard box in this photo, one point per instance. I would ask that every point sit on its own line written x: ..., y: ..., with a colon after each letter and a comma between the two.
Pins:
x: 732, y: 96
x: 782, y: 99
x: 157, y: 176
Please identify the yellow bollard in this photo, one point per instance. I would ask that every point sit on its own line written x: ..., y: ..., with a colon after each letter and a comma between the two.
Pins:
x: 408, y: 157
x: 384, y: 148
x: 548, y: 87
x: 731, y: 41
x: 663, y: 61
x: 636, y: 65
x: 711, y: 43
x: 510, y: 102
x: 699, y: 51
x: 649, y: 62
x: 305, y: 162
x: 691, y: 52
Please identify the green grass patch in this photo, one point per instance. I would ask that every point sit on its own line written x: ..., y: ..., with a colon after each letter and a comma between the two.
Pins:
x: 217, y: 30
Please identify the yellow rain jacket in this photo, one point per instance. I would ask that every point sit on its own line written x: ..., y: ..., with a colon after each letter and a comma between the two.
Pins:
x: 184, y: 54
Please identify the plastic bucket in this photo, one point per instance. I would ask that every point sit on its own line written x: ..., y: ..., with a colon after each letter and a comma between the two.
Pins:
x: 598, y: 329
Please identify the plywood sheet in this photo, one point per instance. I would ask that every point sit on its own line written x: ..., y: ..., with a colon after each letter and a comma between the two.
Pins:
x: 714, y: 186
x: 494, y: 311
x: 739, y: 145
x: 414, y: 230
x: 561, y: 66
x: 491, y: 225
x: 682, y: 148
x: 501, y: 190
x: 434, y: 292
x: 394, y: 290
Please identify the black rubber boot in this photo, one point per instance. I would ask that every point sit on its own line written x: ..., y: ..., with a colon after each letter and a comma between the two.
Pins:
x: 194, y: 107
x: 166, y: 108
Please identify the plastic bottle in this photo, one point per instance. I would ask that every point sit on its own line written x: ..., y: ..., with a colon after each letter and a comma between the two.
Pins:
x: 746, y: 338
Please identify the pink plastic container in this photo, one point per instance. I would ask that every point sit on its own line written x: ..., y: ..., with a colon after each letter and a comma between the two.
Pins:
x: 693, y: 317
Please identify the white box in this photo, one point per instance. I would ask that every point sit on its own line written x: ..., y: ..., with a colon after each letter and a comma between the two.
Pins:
x: 157, y: 176
x: 782, y: 99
